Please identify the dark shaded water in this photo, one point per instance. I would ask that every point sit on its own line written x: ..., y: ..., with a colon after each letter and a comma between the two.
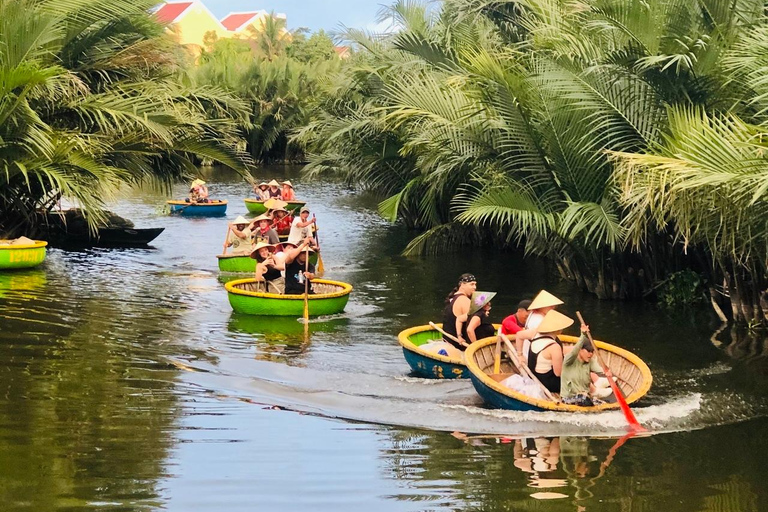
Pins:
x: 127, y: 383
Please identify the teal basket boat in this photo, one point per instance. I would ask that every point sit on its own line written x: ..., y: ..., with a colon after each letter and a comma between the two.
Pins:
x: 185, y: 209
x: 22, y: 255
x: 330, y: 297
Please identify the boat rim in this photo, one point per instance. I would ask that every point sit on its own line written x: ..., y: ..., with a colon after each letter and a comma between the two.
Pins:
x: 476, y: 372
x: 404, y: 339
x: 346, y: 288
x: 227, y: 256
x: 218, y: 202
x: 37, y: 245
x: 261, y: 201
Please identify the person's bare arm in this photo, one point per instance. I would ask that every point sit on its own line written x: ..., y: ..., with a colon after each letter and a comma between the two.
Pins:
x: 474, y: 323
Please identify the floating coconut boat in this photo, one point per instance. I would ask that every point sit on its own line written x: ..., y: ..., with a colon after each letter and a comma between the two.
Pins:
x: 633, y: 378
x: 189, y: 209
x: 22, y: 253
x: 247, y: 296
x: 257, y: 205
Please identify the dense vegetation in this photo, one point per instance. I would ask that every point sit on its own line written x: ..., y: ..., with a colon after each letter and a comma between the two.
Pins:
x: 278, y: 75
x: 91, y: 98
x: 624, y: 140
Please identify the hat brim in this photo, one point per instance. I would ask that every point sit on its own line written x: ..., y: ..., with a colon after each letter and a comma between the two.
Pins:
x: 479, y: 300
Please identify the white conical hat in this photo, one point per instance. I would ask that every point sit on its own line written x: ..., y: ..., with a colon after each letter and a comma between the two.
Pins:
x: 273, y: 183
x: 554, y: 321
x: 544, y: 300
x: 240, y: 220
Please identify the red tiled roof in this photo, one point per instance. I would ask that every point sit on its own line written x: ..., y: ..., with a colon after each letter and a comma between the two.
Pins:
x: 169, y: 12
x: 234, y: 21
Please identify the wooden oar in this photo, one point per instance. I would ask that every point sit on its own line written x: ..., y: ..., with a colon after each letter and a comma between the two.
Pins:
x: 497, y: 356
x: 523, y: 368
x: 306, y: 299
x: 226, y: 238
x: 449, y: 336
x: 628, y: 414
x: 320, y: 266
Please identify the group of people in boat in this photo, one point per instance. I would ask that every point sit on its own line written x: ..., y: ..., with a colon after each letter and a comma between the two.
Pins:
x: 275, y: 190
x: 198, y: 192
x: 285, y: 268
x: 536, y: 324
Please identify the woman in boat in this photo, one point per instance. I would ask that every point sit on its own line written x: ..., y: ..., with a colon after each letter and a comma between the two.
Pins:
x: 455, y: 314
x: 198, y: 192
x: 281, y: 221
x: 297, y: 268
x: 300, y: 228
x: 287, y: 193
x: 262, y: 230
x: 545, y: 358
x: 268, y: 268
x: 240, y: 237
x: 274, y: 189
x: 262, y: 191
x: 480, y: 325
x: 543, y: 303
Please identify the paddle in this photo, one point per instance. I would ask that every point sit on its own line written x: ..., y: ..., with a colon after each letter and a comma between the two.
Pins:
x: 306, y: 299
x: 628, y: 414
x: 523, y: 368
x: 449, y: 336
x: 320, y: 266
x: 226, y: 238
x: 497, y: 356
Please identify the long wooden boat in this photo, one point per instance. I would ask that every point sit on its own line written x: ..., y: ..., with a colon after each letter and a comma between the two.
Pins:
x: 330, y: 297
x: 428, y: 364
x: 21, y: 255
x: 211, y: 209
x: 257, y: 205
x: 634, y: 378
x: 242, y: 263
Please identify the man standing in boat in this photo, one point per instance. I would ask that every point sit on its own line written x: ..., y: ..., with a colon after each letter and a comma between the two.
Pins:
x: 297, y: 268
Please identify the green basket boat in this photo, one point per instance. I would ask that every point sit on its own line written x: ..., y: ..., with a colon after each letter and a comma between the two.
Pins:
x: 257, y: 205
x: 330, y: 297
x: 240, y: 263
x: 21, y: 255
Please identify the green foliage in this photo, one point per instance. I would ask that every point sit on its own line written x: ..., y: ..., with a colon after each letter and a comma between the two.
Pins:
x: 318, y: 47
x: 683, y: 288
x: 89, y: 101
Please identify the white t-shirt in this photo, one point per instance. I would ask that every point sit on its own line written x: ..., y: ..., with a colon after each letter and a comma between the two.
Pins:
x: 298, y: 234
x: 241, y: 245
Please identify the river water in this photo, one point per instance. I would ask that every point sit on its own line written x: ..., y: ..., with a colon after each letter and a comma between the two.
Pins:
x: 127, y: 383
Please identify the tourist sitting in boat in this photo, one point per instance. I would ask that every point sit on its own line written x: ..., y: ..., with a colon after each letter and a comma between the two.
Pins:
x: 455, y: 313
x: 198, y: 192
x: 262, y: 230
x: 268, y: 268
x: 579, y: 382
x: 543, y: 303
x: 281, y: 221
x: 287, y: 193
x: 516, y: 321
x: 545, y: 358
x: 262, y: 191
x: 239, y: 238
x: 480, y: 325
x: 297, y: 268
x: 274, y: 189
x: 300, y: 228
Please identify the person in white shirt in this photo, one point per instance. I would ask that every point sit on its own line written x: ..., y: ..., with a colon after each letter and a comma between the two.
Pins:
x: 301, y: 228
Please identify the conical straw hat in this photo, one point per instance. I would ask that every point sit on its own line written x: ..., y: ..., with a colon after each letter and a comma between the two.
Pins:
x: 240, y: 220
x: 261, y: 245
x: 544, y: 300
x: 554, y: 321
x: 480, y: 299
x: 273, y: 202
x: 261, y: 217
x: 287, y: 182
x: 273, y: 183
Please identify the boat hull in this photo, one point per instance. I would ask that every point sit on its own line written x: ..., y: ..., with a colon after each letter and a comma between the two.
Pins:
x: 257, y: 206
x: 185, y: 209
x: 634, y: 378
x: 331, y: 299
x: 242, y: 264
x: 14, y: 257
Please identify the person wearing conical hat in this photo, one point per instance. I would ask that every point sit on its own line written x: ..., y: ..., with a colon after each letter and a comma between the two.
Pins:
x: 281, y: 221
x: 298, y: 268
x: 268, y: 268
x: 456, y: 311
x: 274, y: 189
x: 198, y: 192
x: 545, y: 358
x: 240, y: 235
x: 538, y: 308
x: 262, y: 230
x: 287, y: 193
x: 261, y: 190
x: 480, y: 325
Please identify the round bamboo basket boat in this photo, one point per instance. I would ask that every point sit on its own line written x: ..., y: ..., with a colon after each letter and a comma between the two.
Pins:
x: 21, y: 255
x: 247, y: 296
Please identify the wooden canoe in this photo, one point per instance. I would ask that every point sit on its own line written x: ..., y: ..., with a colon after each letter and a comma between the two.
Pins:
x: 21, y: 255
x: 428, y: 364
x: 211, y: 209
x: 330, y: 297
x: 634, y: 378
x: 257, y: 205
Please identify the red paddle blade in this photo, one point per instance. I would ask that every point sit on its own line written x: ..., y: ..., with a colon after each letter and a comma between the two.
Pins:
x: 628, y: 414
